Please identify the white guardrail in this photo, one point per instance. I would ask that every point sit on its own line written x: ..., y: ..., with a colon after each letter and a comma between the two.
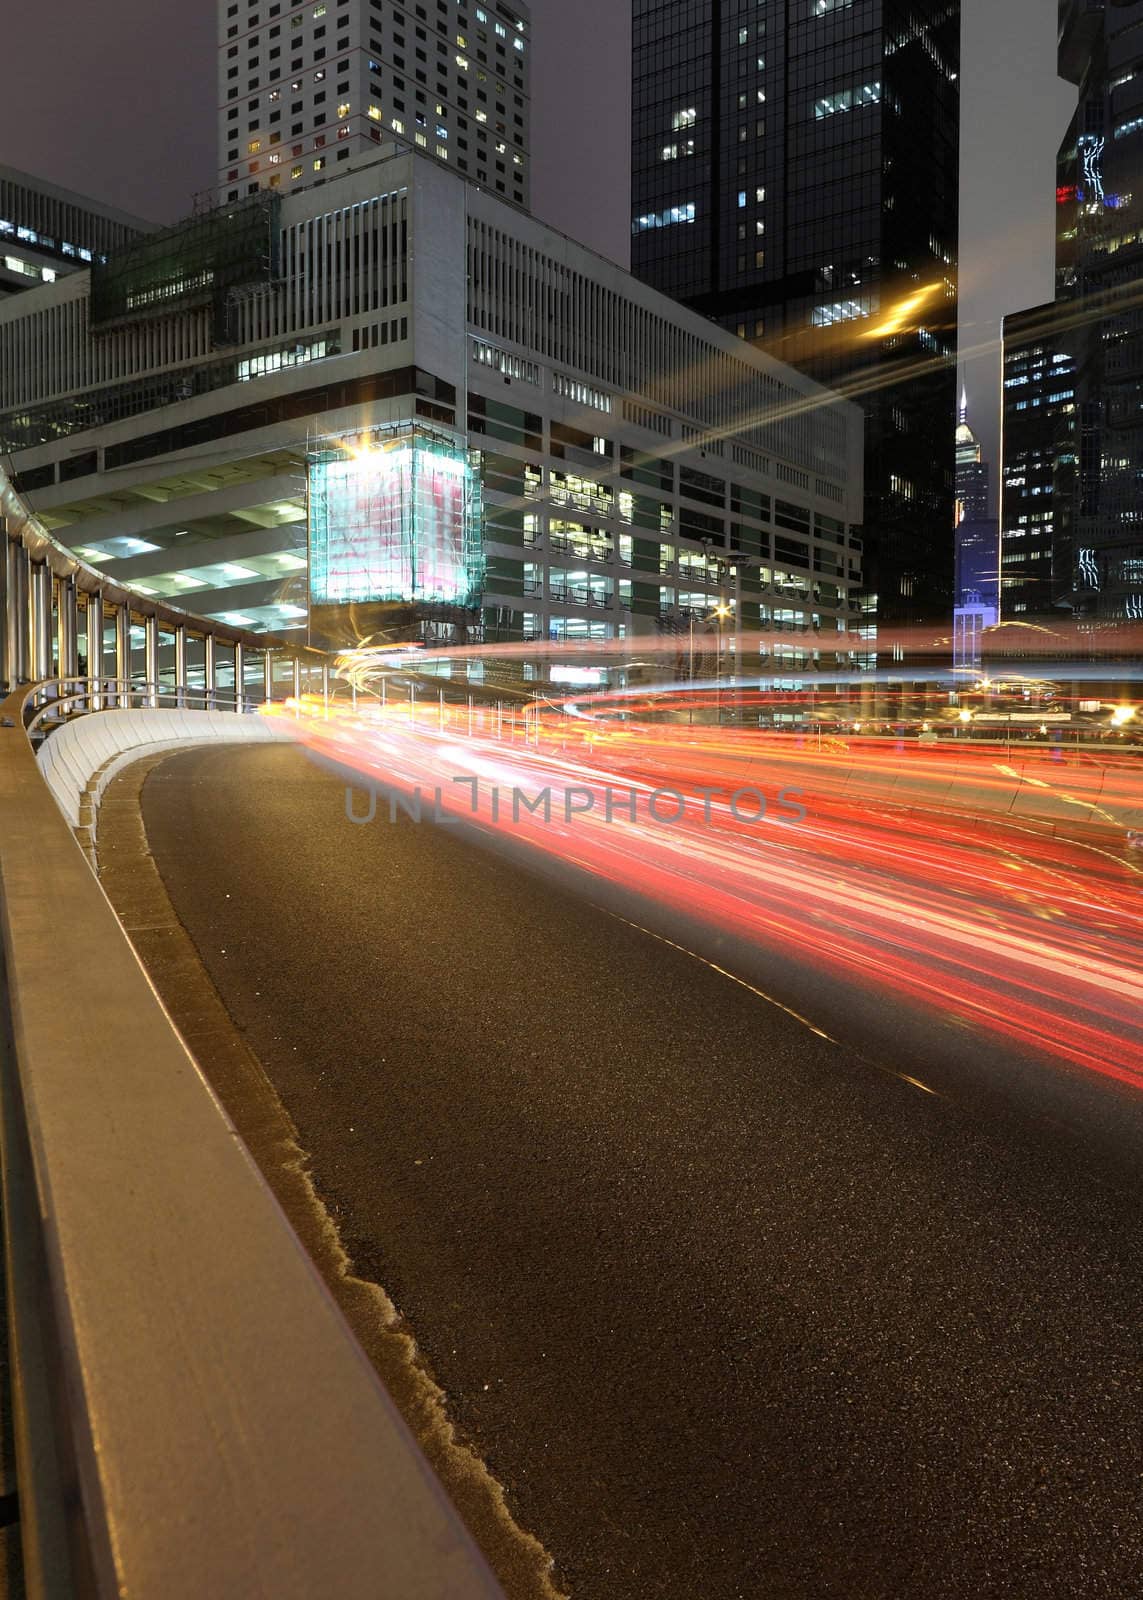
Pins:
x: 193, y: 1416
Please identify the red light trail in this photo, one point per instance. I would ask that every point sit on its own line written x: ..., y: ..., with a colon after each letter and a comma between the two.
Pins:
x: 990, y: 888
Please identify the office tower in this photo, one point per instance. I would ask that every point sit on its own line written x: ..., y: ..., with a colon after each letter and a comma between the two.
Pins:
x: 1072, y: 507
x: 1098, y: 488
x: 795, y: 178
x: 1039, y: 413
x: 976, y: 588
x: 47, y: 232
x: 399, y: 400
x: 307, y: 91
x: 973, y: 474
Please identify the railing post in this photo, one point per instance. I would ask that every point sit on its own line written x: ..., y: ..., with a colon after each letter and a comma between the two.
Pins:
x: 181, y: 685
x: 22, y: 615
x: 239, y: 676
x: 5, y: 610
x: 40, y: 619
x: 151, y: 658
x: 123, y: 655
x: 210, y: 664
x: 95, y: 651
x: 67, y: 633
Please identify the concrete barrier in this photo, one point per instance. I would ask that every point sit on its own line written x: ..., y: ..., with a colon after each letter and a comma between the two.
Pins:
x: 104, y: 742
x: 193, y: 1415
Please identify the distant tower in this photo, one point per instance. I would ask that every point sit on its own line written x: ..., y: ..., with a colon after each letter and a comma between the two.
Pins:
x: 306, y: 94
x: 972, y: 473
x: 977, y: 547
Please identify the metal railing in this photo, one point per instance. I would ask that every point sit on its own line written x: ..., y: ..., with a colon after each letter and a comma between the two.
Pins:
x: 61, y: 618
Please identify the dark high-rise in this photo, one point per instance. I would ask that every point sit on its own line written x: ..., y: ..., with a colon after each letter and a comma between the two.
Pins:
x: 1039, y: 415
x: 1098, y: 488
x: 795, y: 178
x: 1072, y: 509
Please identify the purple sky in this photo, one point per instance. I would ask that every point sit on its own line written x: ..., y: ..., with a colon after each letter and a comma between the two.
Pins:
x: 134, y: 124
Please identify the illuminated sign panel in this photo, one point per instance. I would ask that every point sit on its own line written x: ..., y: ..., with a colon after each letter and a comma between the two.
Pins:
x: 398, y: 520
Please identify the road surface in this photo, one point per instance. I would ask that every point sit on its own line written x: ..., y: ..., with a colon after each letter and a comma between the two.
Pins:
x: 730, y: 1309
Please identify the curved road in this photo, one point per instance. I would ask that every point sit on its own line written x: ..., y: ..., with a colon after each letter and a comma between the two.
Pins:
x: 731, y: 1311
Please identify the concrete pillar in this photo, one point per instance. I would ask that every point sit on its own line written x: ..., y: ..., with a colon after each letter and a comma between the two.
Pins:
x: 268, y: 673
x: 209, y: 667
x: 239, y: 675
x: 297, y: 678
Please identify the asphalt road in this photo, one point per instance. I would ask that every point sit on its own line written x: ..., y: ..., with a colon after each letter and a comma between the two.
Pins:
x: 730, y: 1310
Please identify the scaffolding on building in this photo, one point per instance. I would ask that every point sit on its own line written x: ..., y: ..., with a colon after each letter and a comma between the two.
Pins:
x: 203, y: 261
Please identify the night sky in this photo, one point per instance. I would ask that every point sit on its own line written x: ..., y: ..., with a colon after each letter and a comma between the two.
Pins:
x: 131, y: 120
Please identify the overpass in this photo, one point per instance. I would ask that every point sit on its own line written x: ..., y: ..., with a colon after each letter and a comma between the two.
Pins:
x: 192, y: 1415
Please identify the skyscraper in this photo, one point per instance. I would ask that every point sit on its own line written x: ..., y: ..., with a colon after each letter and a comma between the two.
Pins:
x: 977, y: 533
x: 1072, y: 509
x: 795, y: 177
x: 1039, y: 412
x: 973, y: 487
x: 307, y: 91
x: 1098, y: 486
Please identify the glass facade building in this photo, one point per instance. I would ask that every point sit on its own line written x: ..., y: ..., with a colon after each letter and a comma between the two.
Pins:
x: 1072, y: 510
x: 1039, y: 414
x: 795, y: 178
x: 1098, y: 479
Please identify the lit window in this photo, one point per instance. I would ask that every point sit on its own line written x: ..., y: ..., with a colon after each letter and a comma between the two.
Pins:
x: 319, y: 163
x: 375, y: 113
x: 664, y: 219
x: 685, y: 118
x: 295, y: 172
x: 343, y: 109
x: 868, y: 94
x: 254, y: 147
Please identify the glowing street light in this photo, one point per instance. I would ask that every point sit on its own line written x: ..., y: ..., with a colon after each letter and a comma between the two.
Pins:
x: 1121, y: 715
